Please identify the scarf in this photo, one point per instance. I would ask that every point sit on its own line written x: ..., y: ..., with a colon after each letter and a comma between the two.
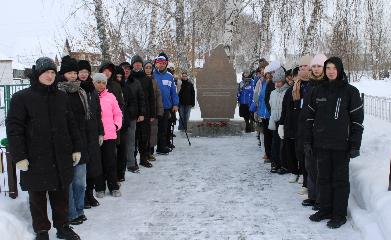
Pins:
x: 72, y: 87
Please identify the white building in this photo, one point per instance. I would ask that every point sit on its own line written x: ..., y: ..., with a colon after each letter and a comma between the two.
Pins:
x: 6, y: 76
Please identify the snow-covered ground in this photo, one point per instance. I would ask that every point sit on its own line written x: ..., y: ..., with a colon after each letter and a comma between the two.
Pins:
x: 380, y: 88
x: 216, y: 189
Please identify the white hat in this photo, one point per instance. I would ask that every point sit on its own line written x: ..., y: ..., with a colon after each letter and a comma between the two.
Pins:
x: 273, y: 66
x: 99, y: 77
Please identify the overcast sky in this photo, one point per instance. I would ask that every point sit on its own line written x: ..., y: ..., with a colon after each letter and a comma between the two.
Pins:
x: 33, y: 28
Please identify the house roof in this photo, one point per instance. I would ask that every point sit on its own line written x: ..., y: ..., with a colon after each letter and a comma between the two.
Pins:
x: 3, y: 57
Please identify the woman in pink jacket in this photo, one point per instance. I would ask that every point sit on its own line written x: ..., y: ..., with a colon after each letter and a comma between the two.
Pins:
x: 112, y: 122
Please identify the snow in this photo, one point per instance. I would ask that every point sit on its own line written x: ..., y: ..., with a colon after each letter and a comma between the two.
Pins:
x: 380, y: 88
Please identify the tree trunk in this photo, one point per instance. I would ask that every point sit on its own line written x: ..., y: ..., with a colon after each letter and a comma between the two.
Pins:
x: 180, y: 35
x: 101, y: 27
x: 231, y: 14
x: 152, y: 33
x: 265, y: 38
x: 316, y: 16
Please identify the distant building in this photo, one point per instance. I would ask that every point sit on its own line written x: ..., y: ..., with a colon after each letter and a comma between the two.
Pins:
x: 5, y: 70
x: 93, y: 58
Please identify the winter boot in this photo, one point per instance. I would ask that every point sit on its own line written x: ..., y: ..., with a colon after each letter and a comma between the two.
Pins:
x: 90, y: 199
x: 75, y: 221
x: 293, y: 178
x: 42, y: 235
x: 303, y: 191
x: 163, y: 151
x: 151, y: 157
x: 144, y: 161
x: 336, y: 222
x: 116, y: 193
x: 66, y: 232
x: 282, y: 171
x: 87, y: 204
x: 133, y: 169
x: 82, y: 218
x: 320, y: 215
x: 316, y: 207
x: 308, y: 202
x: 100, y: 194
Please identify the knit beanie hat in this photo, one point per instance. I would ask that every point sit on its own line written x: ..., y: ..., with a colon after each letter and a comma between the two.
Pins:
x: 148, y: 62
x: 305, y: 60
x: 273, y: 66
x: 263, y: 63
x: 84, y: 64
x: 137, y: 58
x: 43, y: 64
x: 163, y: 54
x: 125, y: 64
x: 119, y: 70
x: 278, y: 75
x: 68, y: 64
x: 99, y: 77
x: 319, y: 60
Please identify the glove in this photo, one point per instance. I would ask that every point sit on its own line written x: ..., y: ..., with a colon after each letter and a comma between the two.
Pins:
x: 272, y: 125
x: 354, y: 153
x: 23, y: 165
x: 76, y: 158
x: 307, y: 149
x: 281, y: 131
x: 101, y: 139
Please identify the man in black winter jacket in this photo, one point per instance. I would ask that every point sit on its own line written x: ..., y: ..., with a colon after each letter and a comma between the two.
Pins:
x: 186, y: 101
x: 45, y: 145
x: 334, y: 128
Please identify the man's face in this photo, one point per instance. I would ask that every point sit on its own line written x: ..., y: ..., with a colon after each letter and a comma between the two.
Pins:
x: 137, y: 66
x: 47, y: 78
x: 161, y: 65
x: 126, y: 70
x: 331, y: 71
x: 70, y: 76
x: 184, y: 77
x: 83, y: 74
x: 107, y: 72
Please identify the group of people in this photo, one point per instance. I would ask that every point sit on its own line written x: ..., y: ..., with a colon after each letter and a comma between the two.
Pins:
x: 311, y: 121
x: 73, y: 132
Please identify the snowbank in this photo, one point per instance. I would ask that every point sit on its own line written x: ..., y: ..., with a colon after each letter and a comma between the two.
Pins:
x: 380, y: 88
x: 370, y: 202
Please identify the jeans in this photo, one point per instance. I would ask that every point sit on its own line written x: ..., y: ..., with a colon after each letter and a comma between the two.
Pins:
x: 77, y: 190
x: 184, y: 115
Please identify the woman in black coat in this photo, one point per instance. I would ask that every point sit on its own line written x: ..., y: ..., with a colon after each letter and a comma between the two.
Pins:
x: 45, y: 144
x: 94, y: 133
x: 82, y: 112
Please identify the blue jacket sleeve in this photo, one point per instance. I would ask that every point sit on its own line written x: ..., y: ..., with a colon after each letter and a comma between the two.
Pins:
x: 174, y: 95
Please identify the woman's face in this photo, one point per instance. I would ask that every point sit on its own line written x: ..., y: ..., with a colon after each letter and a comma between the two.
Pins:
x: 100, y: 86
x: 148, y: 69
x: 317, y: 70
x: 70, y: 76
x: 83, y: 74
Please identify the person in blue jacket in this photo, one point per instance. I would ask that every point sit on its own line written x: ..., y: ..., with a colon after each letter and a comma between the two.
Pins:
x: 264, y: 115
x: 170, y: 99
x: 245, y: 98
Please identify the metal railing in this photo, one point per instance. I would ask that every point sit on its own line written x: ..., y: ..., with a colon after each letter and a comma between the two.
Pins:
x: 6, y: 92
x: 379, y: 107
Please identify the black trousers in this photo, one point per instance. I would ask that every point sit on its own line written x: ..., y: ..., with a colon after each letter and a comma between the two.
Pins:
x: 311, y: 167
x: 143, y: 132
x: 162, y: 129
x: 333, y: 179
x: 301, y: 159
x: 121, y: 152
x: 38, y: 208
x: 290, y: 155
x: 109, y: 165
x: 170, y: 128
x: 276, y: 144
x: 268, y: 136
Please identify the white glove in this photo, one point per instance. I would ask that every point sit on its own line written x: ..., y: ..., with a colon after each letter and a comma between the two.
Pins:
x: 23, y: 165
x: 76, y: 158
x: 281, y: 131
x: 272, y: 125
x: 101, y: 139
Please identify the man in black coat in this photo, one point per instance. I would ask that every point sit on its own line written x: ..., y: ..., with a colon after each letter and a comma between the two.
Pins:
x: 143, y: 129
x: 45, y: 145
x: 334, y: 128
x: 186, y: 101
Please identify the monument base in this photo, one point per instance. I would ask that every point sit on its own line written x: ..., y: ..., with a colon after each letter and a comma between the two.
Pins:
x: 215, y: 128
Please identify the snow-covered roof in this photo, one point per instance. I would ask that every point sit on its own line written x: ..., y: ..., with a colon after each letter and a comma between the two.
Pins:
x: 18, y: 66
x: 3, y: 57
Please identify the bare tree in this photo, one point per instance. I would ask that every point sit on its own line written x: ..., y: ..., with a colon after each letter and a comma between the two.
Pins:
x: 101, y: 28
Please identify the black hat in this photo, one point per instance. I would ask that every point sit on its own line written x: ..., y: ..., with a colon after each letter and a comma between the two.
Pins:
x: 68, y: 64
x: 137, y: 58
x: 43, y: 64
x: 125, y: 64
x: 163, y: 54
x: 119, y: 70
x: 84, y: 64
